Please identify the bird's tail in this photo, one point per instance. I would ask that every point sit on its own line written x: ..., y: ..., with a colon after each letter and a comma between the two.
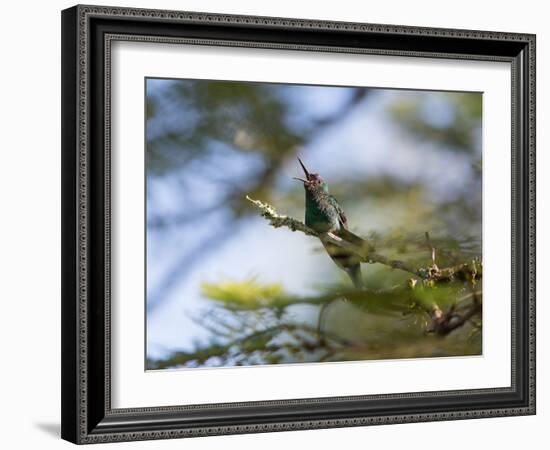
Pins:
x: 349, y: 262
x: 354, y: 272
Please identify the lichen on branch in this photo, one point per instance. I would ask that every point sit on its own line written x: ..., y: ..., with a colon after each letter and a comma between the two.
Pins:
x: 277, y: 220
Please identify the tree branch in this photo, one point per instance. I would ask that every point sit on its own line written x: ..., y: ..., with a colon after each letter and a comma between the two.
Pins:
x: 444, y: 323
x: 258, y: 340
x: 365, y: 252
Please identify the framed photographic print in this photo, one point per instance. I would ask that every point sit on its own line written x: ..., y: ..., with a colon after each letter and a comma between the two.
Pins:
x: 281, y: 224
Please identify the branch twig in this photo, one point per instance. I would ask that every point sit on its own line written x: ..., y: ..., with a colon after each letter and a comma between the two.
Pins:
x: 444, y: 323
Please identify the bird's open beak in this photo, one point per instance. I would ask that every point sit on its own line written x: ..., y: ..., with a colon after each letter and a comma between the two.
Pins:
x: 299, y: 179
x: 304, y: 167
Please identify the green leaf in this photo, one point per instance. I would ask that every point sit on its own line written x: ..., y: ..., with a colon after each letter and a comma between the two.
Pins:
x: 248, y: 294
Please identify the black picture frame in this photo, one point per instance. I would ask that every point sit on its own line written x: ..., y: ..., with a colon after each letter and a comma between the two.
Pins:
x: 87, y: 416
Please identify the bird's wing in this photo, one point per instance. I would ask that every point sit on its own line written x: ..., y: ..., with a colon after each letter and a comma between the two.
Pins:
x: 341, y: 215
x: 344, y: 232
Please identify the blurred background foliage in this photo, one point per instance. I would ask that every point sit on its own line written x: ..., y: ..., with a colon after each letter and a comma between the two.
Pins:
x: 225, y: 288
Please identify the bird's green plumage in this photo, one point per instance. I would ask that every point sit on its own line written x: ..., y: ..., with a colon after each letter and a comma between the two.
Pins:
x: 321, y: 210
x: 324, y: 214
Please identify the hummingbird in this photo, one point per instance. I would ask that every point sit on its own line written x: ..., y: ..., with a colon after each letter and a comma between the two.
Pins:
x: 325, y: 215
